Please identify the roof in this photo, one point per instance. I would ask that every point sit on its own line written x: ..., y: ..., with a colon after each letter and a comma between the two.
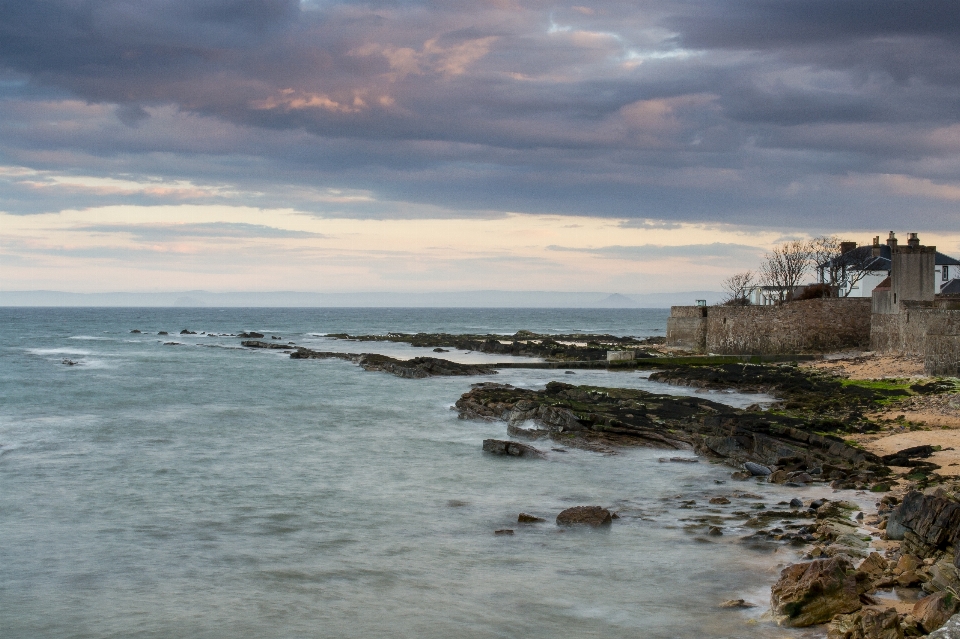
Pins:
x: 885, y: 285
x: 864, y: 255
x: 951, y: 288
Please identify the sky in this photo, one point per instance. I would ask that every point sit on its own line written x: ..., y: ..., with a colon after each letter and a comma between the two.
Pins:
x: 632, y: 147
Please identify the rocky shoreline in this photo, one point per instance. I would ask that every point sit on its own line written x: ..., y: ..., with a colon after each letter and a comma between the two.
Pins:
x: 909, y: 544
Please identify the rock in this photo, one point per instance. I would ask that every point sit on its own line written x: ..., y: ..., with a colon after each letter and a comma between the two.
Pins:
x: 588, y: 515
x: 189, y: 332
x: 503, y: 531
x: 512, y: 449
x: 949, y: 630
x: 719, y: 500
x: 569, y: 373
x: 737, y: 603
x: 777, y: 477
x: 440, y: 350
x: 136, y: 330
x: 933, y: 611
x: 163, y: 333
x: 715, y: 531
x: 250, y: 335
x: 925, y: 522
x: 679, y: 460
x: 740, y: 474
x: 796, y: 503
x: 524, y: 518
x: 756, y: 469
x: 812, y: 593
x: 868, y: 624
x: 69, y: 362
x: 874, y: 565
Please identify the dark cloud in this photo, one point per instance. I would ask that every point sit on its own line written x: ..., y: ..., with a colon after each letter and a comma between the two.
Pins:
x: 752, y: 111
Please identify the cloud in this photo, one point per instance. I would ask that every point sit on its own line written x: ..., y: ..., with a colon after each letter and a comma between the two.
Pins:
x: 763, y: 112
x: 169, y: 232
x: 645, y: 252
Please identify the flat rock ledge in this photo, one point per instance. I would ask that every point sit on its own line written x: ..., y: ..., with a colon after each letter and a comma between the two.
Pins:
x: 416, y: 368
x: 511, y: 449
x: 585, y: 515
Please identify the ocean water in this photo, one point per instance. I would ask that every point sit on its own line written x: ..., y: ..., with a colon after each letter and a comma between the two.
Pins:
x: 203, y: 490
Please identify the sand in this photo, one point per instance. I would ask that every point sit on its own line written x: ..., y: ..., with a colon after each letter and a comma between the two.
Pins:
x: 870, y: 366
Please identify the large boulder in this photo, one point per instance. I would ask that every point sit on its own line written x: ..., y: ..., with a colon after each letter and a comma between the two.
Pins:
x: 587, y: 515
x: 925, y: 522
x: 813, y: 592
x: 933, y: 611
x: 511, y: 449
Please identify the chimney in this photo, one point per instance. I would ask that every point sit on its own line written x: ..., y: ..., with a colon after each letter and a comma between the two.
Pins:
x: 913, y: 241
x: 892, y: 240
x: 846, y: 247
x: 876, y: 246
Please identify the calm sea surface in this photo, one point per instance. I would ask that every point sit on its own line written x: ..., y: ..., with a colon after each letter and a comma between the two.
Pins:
x: 202, y: 490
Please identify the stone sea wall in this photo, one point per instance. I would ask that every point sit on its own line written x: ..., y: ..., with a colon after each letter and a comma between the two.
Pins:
x: 803, y: 326
x: 920, y: 331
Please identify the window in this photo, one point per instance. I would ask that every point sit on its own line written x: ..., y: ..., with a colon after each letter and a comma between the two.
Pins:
x: 945, y: 272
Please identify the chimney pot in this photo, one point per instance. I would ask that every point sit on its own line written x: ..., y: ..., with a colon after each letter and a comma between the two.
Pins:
x: 846, y: 247
x: 891, y: 240
x: 913, y: 241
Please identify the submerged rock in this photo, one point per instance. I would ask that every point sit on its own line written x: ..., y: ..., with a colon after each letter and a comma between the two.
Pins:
x: 512, y: 449
x: 737, y: 603
x: 250, y: 334
x: 524, y: 518
x: 811, y: 593
x: 585, y: 515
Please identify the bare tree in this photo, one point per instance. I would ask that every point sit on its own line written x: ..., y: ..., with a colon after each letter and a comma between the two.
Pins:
x: 783, y: 268
x: 838, y: 268
x: 825, y: 253
x: 738, y: 287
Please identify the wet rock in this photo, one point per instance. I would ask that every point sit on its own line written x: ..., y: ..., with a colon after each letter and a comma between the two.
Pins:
x: 737, y: 603
x: 777, y: 477
x: 250, y: 335
x: 524, y: 518
x: 719, y: 501
x: 812, y: 593
x: 189, y: 332
x: 867, y: 624
x: 163, y: 333
x: 503, y: 531
x: 796, y: 503
x: 511, y: 449
x: 933, y: 611
x: 68, y: 362
x: 586, y: 515
x: 440, y: 350
x: 741, y: 475
x: 715, y: 531
x: 679, y: 460
x: 756, y: 469
x: 137, y: 331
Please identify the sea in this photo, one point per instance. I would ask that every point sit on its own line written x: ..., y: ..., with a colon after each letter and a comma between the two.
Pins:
x: 181, y: 486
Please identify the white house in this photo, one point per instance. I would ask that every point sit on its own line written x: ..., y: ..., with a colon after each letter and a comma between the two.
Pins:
x: 862, y: 268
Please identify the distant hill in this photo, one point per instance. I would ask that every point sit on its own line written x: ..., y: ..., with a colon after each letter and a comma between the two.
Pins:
x: 462, y: 299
